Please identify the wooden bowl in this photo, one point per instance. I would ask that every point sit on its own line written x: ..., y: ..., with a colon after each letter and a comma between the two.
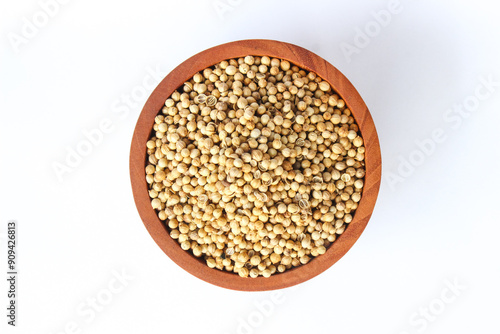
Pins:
x: 307, y: 60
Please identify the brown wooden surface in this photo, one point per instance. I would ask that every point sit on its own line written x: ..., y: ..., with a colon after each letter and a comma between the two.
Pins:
x: 307, y: 60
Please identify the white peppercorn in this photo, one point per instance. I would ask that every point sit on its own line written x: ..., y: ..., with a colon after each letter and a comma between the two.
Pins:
x: 255, y: 165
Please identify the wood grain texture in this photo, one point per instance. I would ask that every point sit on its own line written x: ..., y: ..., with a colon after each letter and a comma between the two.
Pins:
x: 307, y: 60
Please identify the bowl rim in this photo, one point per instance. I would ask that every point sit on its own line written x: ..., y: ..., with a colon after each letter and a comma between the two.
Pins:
x: 304, y: 59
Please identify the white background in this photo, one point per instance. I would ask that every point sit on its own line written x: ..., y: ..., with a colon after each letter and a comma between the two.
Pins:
x: 436, y: 225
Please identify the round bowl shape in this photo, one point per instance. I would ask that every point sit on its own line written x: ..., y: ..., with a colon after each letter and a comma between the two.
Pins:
x: 306, y: 60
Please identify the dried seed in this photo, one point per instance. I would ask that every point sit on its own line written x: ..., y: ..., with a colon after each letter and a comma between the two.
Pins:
x: 255, y: 165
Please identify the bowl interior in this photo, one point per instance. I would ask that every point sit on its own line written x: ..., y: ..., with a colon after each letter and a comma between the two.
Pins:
x: 306, y: 60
